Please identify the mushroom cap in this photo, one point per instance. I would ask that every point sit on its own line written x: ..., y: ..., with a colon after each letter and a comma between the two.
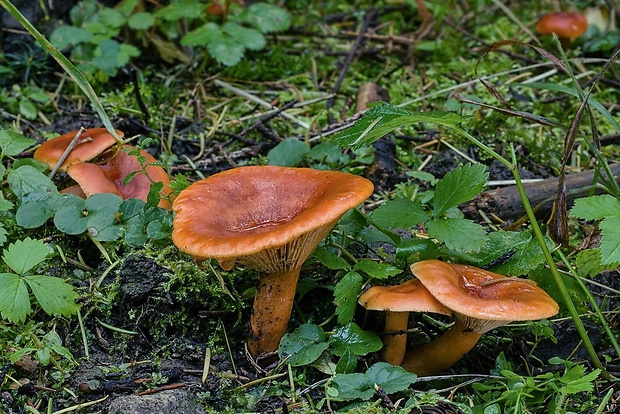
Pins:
x: 244, y: 211
x: 410, y: 296
x: 92, y: 179
x: 569, y: 25
x: 481, y: 294
x: 91, y: 143
x: 122, y: 164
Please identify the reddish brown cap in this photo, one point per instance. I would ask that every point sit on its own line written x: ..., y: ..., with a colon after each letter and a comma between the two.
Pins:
x: 481, y: 294
x: 410, y: 296
x: 122, y: 164
x: 91, y: 143
x: 239, y: 213
x: 568, y: 25
x: 92, y: 179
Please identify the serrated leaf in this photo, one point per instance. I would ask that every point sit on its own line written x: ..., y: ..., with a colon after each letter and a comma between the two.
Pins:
x: 106, y: 56
x: 56, y: 297
x: 250, y: 39
x: 12, y: 143
x: 345, y: 296
x: 184, y: 9
x: 499, y: 243
x: 65, y: 36
x: 226, y: 50
x: 202, y: 36
x: 355, y: 339
x: 14, y: 300
x: 383, y: 119
x: 390, y: 378
x: 377, y: 270
x: 458, y: 186
x: 462, y: 235
x: 352, y: 387
x: 528, y: 256
x: 305, y: 345
x: 330, y: 260
x: 3, y: 234
x: 141, y: 21
x: 577, y: 380
x: 399, y: 213
x: 588, y: 262
x: 288, y: 153
x: 23, y: 255
x: 610, y: 242
x: 267, y: 18
x: 595, y: 207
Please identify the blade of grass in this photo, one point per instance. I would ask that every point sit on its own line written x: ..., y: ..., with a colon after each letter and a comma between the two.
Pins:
x: 67, y: 66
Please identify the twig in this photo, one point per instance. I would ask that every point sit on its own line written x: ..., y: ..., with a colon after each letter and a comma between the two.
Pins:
x: 65, y: 154
x: 259, y: 101
x: 356, y: 45
x: 163, y: 388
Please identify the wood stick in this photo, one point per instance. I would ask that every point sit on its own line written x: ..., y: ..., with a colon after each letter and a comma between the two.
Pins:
x: 505, y: 202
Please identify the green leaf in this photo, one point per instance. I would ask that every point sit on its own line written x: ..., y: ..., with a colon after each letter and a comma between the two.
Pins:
x: 345, y: 296
x: 355, y: 339
x: 14, y: 300
x: 103, y: 203
x: 106, y: 56
x: 383, y: 118
x: 354, y: 386
x: 288, y: 153
x: 65, y: 36
x: 267, y: 18
x: 458, y: 186
x: 3, y: 234
x: 56, y: 297
x: 390, y: 378
x: 28, y: 109
x: 304, y: 345
x: 577, y: 380
x: 29, y: 184
x: 330, y: 260
x: 226, y: 50
x: 399, y: 213
x: 103, y: 227
x: 346, y: 363
x: 33, y: 214
x: 141, y: 21
x: 125, y: 53
x: 12, y: 143
x: 462, y: 235
x: 71, y: 218
x: 528, y: 256
x: 596, y: 207
x: 23, y: 255
x: 203, y: 35
x: 183, y: 9
x: 249, y: 38
x: 111, y: 17
x: 415, y: 250
x: 377, y: 270
x: 610, y: 242
x: 589, y: 262
x: 500, y: 243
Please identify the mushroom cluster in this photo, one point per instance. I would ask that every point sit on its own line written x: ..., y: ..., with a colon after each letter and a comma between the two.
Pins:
x: 107, y: 176
x: 480, y: 301
x: 267, y: 218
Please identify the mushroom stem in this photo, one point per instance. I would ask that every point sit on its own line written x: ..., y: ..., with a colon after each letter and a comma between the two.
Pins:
x: 395, y: 345
x: 440, y: 354
x: 273, y: 304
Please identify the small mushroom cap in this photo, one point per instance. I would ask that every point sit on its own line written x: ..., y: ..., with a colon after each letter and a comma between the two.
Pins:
x: 247, y: 210
x: 568, y: 25
x: 122, y: 164
x: 481, y: 294
x: 410, y: 296
x: 92, y: 179
x: 91, y: 143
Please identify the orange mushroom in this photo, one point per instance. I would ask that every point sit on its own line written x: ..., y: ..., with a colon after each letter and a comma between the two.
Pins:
x: 91, y: 179
x: 91, y: 143
x: 566, y: 25
x: 397, y: 302
x: 481, y: 301
x: 117, y: 168
x: 267, y: 218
